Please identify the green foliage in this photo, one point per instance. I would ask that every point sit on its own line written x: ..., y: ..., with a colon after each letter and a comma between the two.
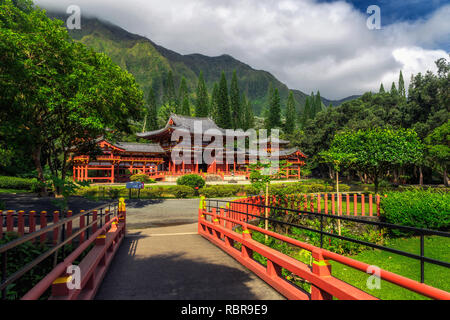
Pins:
x: 290, y: 116
x: 223, y: 105
x: 201, y: 106
x: 426, y: 209
x: 182, y: 192
x: 142, y: 178
x: 16, y: 183
x: 192, y: 180
x: 274, y: 114
x: 438, y: 147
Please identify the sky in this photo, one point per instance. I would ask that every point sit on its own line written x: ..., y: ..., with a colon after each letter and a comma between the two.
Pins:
x: 309, y: 45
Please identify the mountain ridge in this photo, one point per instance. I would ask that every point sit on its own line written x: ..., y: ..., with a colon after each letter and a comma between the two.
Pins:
x: 150, y: 64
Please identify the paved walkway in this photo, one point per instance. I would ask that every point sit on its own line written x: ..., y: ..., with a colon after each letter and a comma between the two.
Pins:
x: 175, y: 263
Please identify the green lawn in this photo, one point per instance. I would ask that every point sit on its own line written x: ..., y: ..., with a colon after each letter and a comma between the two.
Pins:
x: 14, y: 191
x: 436, y: 276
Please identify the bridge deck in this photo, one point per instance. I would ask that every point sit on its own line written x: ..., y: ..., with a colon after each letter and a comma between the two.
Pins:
x: 174, y: 263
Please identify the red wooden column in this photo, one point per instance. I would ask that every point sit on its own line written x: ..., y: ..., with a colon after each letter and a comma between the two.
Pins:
x: 322, y: 268
x: 112, y: 173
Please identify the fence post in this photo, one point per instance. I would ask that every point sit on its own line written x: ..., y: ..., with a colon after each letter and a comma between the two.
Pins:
x: 69, y: 226
x: 321, y: 268
x: 319, y: 207
x: 43, y: 224
x: 371, y: 205
x: 31, y: 222
x: 378, y: 205
x: 326, y: 203
x: 1, y: 224
x: 247, y: 253
x: 10, y: 221
x: 82, y: 225
x: 363, y: 206
x: 20, y: 223
x: 355, y: 204
x: 56, y: 230
x: 94, y: 219
x: 348, y: 204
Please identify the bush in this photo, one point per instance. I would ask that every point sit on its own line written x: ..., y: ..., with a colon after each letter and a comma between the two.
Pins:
x: 182, y: 192
x: 142, y: 178
x: 16, y: 183
x: 417, y: 208
x: 194, y: 181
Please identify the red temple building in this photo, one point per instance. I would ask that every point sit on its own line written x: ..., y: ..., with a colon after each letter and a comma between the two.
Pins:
x: 119, y: 161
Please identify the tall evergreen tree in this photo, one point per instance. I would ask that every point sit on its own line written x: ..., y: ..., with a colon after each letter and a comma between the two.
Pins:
x: 201, y: 107
x: 401, y: 85
x: 224, y: 114
x: 185, y: 107
x: 170, y: 96
x: 235, y: 103
x: 382, y: 89
x: 394, y: 89
x: 274, y: 116
x: 214, y: 110
x: 182, y: 94
x: 306, y: 112
x: 151, y: 118
x: 312, y: 106
x: 289, y: 125
x: 248, y: 118
x: 318, y: 104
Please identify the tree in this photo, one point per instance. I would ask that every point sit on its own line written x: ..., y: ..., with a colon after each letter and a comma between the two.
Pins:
x: 201, y: 106
x: 60, y: 94
x: 374, y: 151
x: 151, y: 116
x: 438, y: 147
x: 401, y: 85
x: 235, y: 103
x: 317, y: 104
x: 223, y: 105
x: 274, y: 115
x: 394, y: 91
x: 184, y: 107
x: 289, y: 126
x: 382, y: 89
x: 214, y: 111
x: 170, y: 96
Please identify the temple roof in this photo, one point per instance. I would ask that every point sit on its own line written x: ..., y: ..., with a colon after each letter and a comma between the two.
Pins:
x: 140, y: 147
x: 274, y: 140
x: 177, y: 122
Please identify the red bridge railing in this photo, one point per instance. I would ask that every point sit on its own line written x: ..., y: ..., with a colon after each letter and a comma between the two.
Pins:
x: 218, y: 224
x: 98, y: 234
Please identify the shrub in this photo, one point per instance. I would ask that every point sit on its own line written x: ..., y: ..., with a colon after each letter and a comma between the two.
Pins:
x: 15, y: 183
x: 194, y: 181
x: 142, y: 178
x: 417, y: 208
x: 182, y: 192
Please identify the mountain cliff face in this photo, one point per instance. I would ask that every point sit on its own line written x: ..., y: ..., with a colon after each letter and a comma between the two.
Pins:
x: 151, y: 63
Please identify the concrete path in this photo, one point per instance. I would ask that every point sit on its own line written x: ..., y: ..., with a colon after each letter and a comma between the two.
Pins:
x: 175, y: 263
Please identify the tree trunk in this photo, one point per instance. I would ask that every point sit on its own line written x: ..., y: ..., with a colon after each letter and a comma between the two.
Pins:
x: 446, y: 178
x: 36, y: 155
x: 420, y: 176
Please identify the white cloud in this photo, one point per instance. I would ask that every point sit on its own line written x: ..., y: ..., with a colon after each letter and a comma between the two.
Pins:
x: 307, y: 45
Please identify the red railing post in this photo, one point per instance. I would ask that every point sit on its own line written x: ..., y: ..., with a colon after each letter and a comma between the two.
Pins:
x: 355, y: 204
x: 82, y: 225
x: 10, y: 221
x: 333, y: 205
x: 363, y: 207
x: 319, y: 207
x: 246, y: 252
x: 31, y: 222
x: 348, y: 204
x: 326, y: 203
x: 43, y: 224
x: 20, y: 223
x: 69, y: 226
x: 56, y: 230
x: 378, y: 205
x: 370, y: 205
x: 322, y: 268
x: 94, y: 219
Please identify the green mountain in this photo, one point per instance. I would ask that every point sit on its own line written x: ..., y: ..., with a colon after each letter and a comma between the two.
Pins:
x: 150, y: 64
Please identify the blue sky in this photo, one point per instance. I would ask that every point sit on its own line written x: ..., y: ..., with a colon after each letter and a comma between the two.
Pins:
x: 399, y: 10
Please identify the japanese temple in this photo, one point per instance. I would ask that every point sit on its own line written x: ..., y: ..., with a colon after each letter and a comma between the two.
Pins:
x: 119, y: 161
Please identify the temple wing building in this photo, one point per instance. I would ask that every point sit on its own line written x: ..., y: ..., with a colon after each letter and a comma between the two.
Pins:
x: 185, y: 145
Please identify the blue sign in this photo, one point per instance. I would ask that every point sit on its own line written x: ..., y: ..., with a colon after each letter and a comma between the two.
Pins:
x: 135, y: 185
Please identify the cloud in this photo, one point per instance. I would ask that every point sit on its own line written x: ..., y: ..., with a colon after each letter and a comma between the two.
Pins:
x: 306, y: 44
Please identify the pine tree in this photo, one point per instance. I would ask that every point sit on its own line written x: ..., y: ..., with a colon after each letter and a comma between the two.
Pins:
x: 170, y: 96
x: 318, y: 104
x: 274, y: 116
x: 214, y: 110
x: 289, y: 125
x: 401, y: 85
x: 306, y: 112
x: 152, y: 114
x: 382, y: 89
x: 201, y: 107
x: 394, y: 89
x: 186, y: 109
x: 312, y: 106
x: 235, y: 103
x: 248, y: 118
x: 224, y: 114
x: 182, y: 94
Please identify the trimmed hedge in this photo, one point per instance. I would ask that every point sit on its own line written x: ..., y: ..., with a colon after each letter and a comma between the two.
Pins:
x: 426, y: 209
x: 154, y: 192
x: 191, y: 180
x: 142, y: 178
x: 17, y: 183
